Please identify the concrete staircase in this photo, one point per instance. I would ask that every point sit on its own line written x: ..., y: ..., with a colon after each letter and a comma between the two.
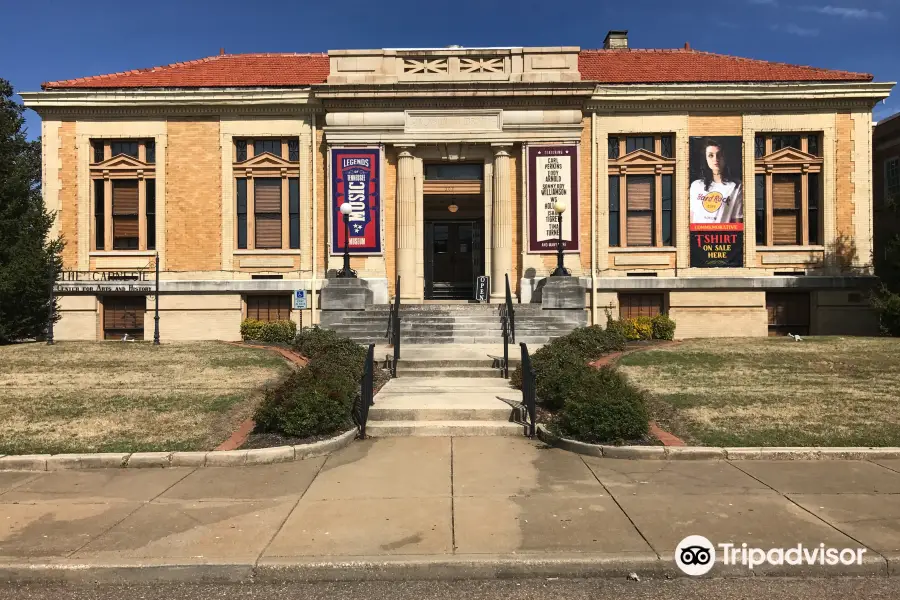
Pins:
x: 453, y: 324
x: 446, y: 391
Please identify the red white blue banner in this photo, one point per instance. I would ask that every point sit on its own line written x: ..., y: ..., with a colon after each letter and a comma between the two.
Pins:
x: 356, y: 178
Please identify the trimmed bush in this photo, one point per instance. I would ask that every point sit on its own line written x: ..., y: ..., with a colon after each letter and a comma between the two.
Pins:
x: 663, y: 327
x: 603, y: 408
x: 272, y: 332
x: 644, y: 327
x: 318, y: 399
x: 572, y: 351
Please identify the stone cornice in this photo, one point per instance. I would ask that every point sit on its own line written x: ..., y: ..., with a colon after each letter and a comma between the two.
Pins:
x: 171, y: 101
x: 746, y: 95
x: 454, y: 89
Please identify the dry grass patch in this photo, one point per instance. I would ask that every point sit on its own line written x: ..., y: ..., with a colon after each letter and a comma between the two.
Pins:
x: 128, y: 397
x: 822, y: 391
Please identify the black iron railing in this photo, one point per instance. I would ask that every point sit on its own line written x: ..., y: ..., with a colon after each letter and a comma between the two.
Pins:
x: 528, y: 391
x: 394, y: 327
x: 366, y: 393
x: 508, y: 325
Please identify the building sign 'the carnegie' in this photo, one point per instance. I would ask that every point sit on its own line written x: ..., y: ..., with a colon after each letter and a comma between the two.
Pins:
x: 552, y: 176
x: 355, y: 178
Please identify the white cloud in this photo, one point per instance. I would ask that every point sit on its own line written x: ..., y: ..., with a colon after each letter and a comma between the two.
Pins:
x: 795, y: 30
x: 846, y: 13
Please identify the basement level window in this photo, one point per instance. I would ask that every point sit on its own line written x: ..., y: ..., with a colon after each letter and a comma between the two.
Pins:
x: 648, y: 274
x: 267, y: 276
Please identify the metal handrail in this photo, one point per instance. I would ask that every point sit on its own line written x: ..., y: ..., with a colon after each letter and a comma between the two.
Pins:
x: 511, y: 312
x: 394, y: 327
x: 529, y: 383
x: 366, y: 393
x: 508, y: 328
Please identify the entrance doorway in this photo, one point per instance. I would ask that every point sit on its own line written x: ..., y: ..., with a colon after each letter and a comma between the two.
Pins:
x: 453, y: 259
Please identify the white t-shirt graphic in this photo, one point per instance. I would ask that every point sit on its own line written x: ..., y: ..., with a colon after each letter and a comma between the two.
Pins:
x: 721, y: 203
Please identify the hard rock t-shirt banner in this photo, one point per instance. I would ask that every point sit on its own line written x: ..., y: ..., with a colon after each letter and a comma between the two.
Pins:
x: 355, y: 178
x: 717, y: 202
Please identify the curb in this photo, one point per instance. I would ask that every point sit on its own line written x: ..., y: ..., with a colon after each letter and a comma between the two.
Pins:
x: 647, y: 565
x: 713, y: 453
x: 143, y: 460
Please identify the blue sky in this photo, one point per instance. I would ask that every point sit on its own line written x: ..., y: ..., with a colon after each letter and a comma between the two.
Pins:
x: 43, y: 40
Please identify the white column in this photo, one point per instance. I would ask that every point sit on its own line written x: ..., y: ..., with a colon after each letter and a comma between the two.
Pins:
x: 501, y: 224
x: 406, y: 219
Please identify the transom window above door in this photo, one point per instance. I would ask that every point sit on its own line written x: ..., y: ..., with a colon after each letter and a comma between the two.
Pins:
x: 267, y: 193
x: 454, y: 171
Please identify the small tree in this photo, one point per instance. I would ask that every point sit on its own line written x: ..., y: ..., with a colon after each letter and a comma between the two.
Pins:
x: 29, y: 262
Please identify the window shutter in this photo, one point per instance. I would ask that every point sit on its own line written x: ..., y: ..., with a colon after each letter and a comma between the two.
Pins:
x: 125, y: 197
x: 269, y: 308
x: 785, y: 208
x: 267, y: 201
x: 124, y: 314
x: 640, y: 305
x: 640, y: 210
x: 268, y: 232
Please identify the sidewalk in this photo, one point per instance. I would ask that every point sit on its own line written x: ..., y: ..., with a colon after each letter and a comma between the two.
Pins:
x: 438, y: 507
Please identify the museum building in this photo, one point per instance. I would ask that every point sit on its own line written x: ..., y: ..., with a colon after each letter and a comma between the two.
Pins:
x: 733, y: 194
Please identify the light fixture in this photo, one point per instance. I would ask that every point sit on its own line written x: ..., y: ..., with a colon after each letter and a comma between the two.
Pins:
x: 453, y: 207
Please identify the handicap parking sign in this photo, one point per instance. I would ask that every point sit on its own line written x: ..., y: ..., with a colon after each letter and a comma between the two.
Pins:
x: 299, y: 299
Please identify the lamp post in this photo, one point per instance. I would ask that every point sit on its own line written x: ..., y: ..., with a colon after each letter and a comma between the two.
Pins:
x: 156, y: 306
x: 346, y: 209
x: 560, y: 207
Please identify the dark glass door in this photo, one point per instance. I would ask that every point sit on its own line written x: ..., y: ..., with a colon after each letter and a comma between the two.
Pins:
x: 453, y: 259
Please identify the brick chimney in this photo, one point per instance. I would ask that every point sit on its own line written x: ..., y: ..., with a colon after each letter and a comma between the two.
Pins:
x: 616, y: 40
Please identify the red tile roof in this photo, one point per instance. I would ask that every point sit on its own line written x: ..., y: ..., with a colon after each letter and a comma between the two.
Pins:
x: 692, y: 66
x: 226, y: 70
x: 603, y: 66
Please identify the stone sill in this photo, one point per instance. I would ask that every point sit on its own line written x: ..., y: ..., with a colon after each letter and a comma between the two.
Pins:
x: 266, y: 252
x: 790, y: 248
x: 122, y: 253
x: 629, y: 249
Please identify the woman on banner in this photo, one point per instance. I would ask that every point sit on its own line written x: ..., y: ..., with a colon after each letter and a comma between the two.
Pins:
x: 717, y: 197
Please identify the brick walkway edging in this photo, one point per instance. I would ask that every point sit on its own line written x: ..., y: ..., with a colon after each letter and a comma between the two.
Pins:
x: 713, y: 453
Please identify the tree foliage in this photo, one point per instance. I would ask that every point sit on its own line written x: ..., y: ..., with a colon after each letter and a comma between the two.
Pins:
x: 29, y: 261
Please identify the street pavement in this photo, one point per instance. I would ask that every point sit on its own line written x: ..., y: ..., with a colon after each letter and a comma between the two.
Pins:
x: 771, y: 588
x: 433, y: 508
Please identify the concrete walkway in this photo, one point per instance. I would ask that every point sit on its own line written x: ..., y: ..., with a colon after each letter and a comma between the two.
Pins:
x: 424, y: 506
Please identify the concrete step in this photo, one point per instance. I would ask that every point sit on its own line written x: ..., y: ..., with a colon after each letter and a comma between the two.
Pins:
x: 482, y: 373
x: 439, y: 407
x: 443, y: 428
x: 466, y: 363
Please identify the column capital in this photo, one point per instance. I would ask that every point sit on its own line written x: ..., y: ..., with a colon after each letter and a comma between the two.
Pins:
x: 405, y: 150
x: 501, y: 149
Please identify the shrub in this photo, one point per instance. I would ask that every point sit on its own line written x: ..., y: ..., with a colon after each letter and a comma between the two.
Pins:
x: 888, y: 306
x: 318, y: 399
x: 581, y: 346
x: 305, y: 405
x: 644, y: 327
x: 603, y: 407
x: 663, y: 327
x: 273, y: 332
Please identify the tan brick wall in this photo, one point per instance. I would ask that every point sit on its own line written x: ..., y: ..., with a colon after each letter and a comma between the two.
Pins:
x: 68, y: 194
x: 844, y: 176
x: 389, y: 213
x: 584, y: 193
x: 193, y: 195
x: 845, y: 312
x: 719, y: 124
x: 719, y: 314
x: 78, y: 318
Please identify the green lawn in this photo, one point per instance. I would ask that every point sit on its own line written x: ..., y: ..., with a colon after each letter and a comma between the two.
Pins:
x: 128, y: 397
x: 821, y: 391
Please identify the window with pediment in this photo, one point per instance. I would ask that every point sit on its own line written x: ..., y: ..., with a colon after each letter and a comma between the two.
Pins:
x: 641, y: 173
x: 267, y: 193
x: 123, y: 193
x: 789, y: 189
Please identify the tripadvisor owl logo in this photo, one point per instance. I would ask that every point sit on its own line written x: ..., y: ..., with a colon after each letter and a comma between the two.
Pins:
x: 712, y: 201
x: 695, y: 555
